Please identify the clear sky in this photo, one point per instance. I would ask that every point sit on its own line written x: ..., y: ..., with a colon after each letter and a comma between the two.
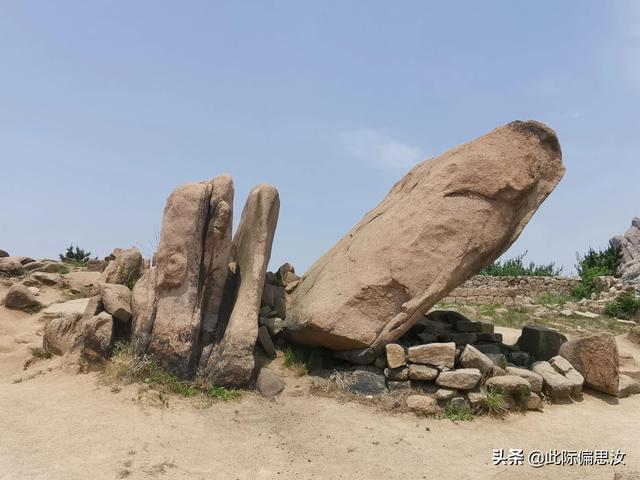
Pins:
x: 106, y: 106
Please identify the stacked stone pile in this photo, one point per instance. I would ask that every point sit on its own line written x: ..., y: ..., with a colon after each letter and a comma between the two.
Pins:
x: 494, y: 290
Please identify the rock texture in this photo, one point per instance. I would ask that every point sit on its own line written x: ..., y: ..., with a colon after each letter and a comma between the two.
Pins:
x: 439, y: 225
x: 116, y: 300
x: 97, y: 337
x: 20, y: 297
x: 629, y: 245
x: 541, y: 342
x: 125, y: 266
x: 194, y: 217
x: 231, y: 362
x: 596, y: 358
x: 143, y: 305
x: 62, y: 334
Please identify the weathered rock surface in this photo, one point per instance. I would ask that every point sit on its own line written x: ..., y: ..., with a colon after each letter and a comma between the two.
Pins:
x: 422, y: 372
x: 269, y: 383
x: 440, y: 224
x: 97, y: 337
x: 396, y: 356
x: 11, y: 266
x: 461, y: 379
x: 596, y: 358
x: 629, y: 245
x: 49, y: 279
x: 231, y: 362
x: 510, y: 385
x: 534, y: 379
x: 125, y: 267
x: 20, y: 297
x: 437, y: 354
x: 422, y: 404
x: 116, y: 300
x: 188, y: 272
x: 563, y: 366
x: 62, y: 334
x: 445, y: 394
x: 143, y: 304
x: 473, y: 358
x: 554, y: 384
x: 541, y: 342
x: 3, y: 253
x: 534, y: 402
x: 366, y: 381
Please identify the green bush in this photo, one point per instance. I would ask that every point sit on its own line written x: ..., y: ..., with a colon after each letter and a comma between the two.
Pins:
x: 75, y: 256
x: 595, y: 263
x: 626, y: 305
x: 515, y: 267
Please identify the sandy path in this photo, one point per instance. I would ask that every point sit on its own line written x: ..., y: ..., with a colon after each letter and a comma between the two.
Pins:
x: 66, y: 426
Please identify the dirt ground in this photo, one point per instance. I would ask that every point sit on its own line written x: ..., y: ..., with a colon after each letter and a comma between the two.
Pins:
x: 56, y: 424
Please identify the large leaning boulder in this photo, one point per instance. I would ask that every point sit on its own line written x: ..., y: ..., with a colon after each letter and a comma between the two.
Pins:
x: 439, y: 225
x: 231, y: 362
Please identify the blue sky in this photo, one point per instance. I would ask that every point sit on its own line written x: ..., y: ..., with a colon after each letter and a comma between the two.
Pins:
x: 106, y: 106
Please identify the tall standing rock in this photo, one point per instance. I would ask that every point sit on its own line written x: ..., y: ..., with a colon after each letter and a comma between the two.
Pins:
x: 231, y: 362
x: 440, y: 224
x: 185, y: 261
x: 215, y: 262
x: 143, y: 304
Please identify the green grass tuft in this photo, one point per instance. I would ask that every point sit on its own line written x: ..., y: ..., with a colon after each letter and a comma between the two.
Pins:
x: 459, y: 414
x: 495, y: 404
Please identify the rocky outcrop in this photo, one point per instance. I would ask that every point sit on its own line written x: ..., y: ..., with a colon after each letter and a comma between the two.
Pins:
x: 439, y: 225
x: 231, y: 362
x: 125, y: 266
x: 629, y: 245
x: 596, y: 358
x: 187, y: 255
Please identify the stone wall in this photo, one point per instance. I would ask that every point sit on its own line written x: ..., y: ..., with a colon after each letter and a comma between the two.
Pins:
x: 485, y: 289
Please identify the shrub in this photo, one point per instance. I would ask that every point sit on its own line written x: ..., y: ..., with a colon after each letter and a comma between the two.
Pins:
x: 595, y: 263
x: 626, y: 305
x: 515, y: 267
x: 75, y: 256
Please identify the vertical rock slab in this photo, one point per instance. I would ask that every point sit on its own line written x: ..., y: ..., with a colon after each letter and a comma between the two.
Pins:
x: 231, y: 363
x: 215, y: 261
x: 143, y: 304
x: 176, y: 326
x: 439, y: 225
